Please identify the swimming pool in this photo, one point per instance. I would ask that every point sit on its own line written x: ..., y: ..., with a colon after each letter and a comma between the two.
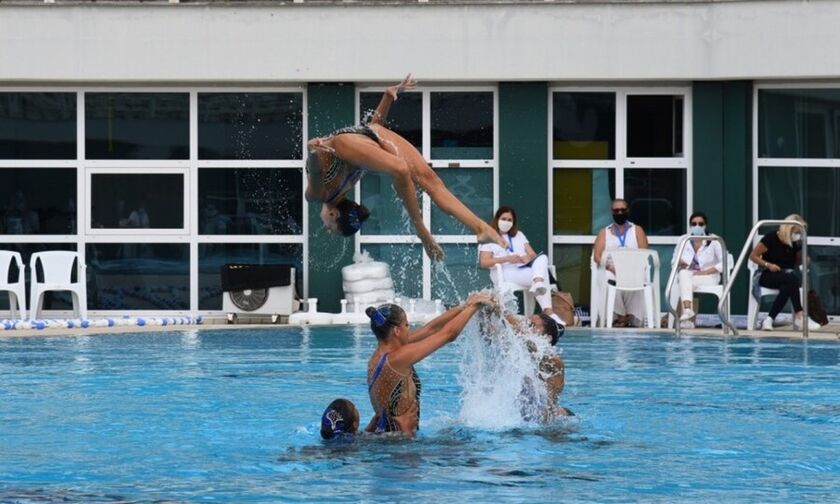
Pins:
x: 233, y: 416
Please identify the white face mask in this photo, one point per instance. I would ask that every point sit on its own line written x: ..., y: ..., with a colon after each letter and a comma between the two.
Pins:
x: 505, y: 225
x: 795, y: 237
x: 698, y: 230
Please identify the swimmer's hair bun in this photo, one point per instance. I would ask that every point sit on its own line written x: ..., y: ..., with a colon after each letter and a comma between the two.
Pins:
x: 370, y: 311
x: 376, y: 317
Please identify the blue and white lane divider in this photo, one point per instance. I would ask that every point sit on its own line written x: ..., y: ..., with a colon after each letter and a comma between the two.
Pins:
x: 11, y: 324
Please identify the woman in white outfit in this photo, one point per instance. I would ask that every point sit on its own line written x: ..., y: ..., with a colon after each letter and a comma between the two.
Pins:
x: 701, y: 264
x: 629, y: 305
x: 520, y: 264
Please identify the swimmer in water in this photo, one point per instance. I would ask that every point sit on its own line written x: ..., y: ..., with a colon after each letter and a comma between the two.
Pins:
x: 340, y: 420
x: 393, y: 384
x: 339, y: 160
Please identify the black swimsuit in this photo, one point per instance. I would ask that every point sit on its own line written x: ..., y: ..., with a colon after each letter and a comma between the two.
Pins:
x: 336, y: 163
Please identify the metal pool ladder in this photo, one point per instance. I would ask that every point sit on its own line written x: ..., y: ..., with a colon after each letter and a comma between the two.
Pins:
x: 723, y: 308
x: 740, y: 262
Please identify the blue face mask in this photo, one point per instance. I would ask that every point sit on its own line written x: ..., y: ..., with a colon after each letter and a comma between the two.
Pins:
x: 698, y: 230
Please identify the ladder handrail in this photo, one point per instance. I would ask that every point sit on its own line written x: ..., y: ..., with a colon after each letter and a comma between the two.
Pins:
x: 722, y: 313
x: 748, y: 245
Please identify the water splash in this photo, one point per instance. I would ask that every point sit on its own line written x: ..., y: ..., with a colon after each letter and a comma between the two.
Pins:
x: 499, y: 376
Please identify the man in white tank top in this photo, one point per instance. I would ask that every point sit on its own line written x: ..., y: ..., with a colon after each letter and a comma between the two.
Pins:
x: 629, y: 306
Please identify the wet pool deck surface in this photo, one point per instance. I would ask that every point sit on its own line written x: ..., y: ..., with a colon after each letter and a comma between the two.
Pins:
x: 830, y: 332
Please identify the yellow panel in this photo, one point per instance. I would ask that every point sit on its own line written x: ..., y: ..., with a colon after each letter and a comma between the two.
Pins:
x: 572, y: 193
x: 581, y: 149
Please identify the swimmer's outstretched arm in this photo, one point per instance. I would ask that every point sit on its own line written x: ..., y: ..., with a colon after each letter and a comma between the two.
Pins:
x: 435, y: 324
x: 380, y: 115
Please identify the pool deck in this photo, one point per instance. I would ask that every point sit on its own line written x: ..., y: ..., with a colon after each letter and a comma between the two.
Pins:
x: 831, y: 332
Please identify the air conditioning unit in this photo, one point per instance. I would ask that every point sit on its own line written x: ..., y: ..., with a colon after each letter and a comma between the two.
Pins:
x: 255, y: 289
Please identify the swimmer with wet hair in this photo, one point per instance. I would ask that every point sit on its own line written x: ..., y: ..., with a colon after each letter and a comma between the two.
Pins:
x: 340, y: 419
x: 336, y: 162
x: 393, y: 384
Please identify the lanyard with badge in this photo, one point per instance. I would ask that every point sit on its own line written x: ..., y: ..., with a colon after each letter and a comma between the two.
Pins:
x: 622, y: 238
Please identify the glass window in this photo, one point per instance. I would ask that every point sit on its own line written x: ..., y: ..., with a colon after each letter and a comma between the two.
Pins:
x: 138, y: 276
x: 137, y: 125
x: 582, y: 199
x: 825, y: 276
x: 37, y: 125
x: 147, y: 200
x: 799, y: 123
x: 250, y: 201
x: 461, y: 274
x: 474, y: 188
x: 404, y: 118
x: 462, y: 125
x: 406, y: 262
x: 212, y: 256
x: 37, y: 201
x: 584, y: 125
x: 54, y: 300
x: 657, y: 199
x: 654, y: 125
x: 250, y: 125
x: 573, y: 271
x: 388, y: 216
x: 811, y: 192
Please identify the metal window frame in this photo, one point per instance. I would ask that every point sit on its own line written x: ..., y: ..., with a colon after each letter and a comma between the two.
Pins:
x: 189, y: 168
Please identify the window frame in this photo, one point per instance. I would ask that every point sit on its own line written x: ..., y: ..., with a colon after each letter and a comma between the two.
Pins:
x: 85, y: 168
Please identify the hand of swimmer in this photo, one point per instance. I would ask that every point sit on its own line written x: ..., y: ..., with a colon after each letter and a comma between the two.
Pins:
x: 322, y: 144
x: 481, y: 298
x: 407, y: 83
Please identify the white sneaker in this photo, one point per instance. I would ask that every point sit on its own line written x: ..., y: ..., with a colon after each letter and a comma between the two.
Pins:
x: 558, y: 319
x: 539, y: 288
x: 767, y: 324
x: 812, y: 325
x: 687, y: 313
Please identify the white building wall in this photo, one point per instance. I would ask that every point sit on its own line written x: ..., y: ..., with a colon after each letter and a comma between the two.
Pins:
x: 258, y: 43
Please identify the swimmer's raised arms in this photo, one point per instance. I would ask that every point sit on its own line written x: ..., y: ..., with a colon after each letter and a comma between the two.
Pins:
x: 339, y: 160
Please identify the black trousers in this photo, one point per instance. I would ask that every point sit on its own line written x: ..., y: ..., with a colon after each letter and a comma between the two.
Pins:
x: 788, y: 284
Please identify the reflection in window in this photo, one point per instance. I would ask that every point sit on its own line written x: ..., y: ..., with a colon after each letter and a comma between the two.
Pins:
x: 137, y: 125
x: 799, y: 123
x: 573, y: 273
x: 387, y: 213
x: 657, y: 199
x: 250, y: 201
x: 462, y: 125
x: 461, y: 276
x: 138, y: 276
x: 131, y: 201
x: 584, y: 125
x: 655, y: 126
x: 404, y: 118
x: 474, y: 188
x: 250, y: 125
x: 37, y: 125
x: 212, y: 256
x: 811, y: 192
x: 825, y: 276
x: 582, y: 200
x: 53, y: 300
x: 37, y: 201
x: 406, y: 262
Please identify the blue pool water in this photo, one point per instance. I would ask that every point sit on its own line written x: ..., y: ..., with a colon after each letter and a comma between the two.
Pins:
x: 233, y: 416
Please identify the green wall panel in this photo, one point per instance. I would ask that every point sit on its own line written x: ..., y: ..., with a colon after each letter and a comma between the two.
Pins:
x: 722, y: 121
x: 523, y: 156
x: 330, y: 106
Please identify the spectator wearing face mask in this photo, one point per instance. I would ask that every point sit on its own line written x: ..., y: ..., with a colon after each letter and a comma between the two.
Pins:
x: 700, y: 265
x: 778, y: 254
x: 629, y: 305
x: 520, y: 263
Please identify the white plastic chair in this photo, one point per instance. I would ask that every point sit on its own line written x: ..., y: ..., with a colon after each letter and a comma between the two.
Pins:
x: 16, y: 288
x: 753, y: 303
x: 57, y: 266
x: 529, y: 302
x: 632, y: 273
x: 715, y: 290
